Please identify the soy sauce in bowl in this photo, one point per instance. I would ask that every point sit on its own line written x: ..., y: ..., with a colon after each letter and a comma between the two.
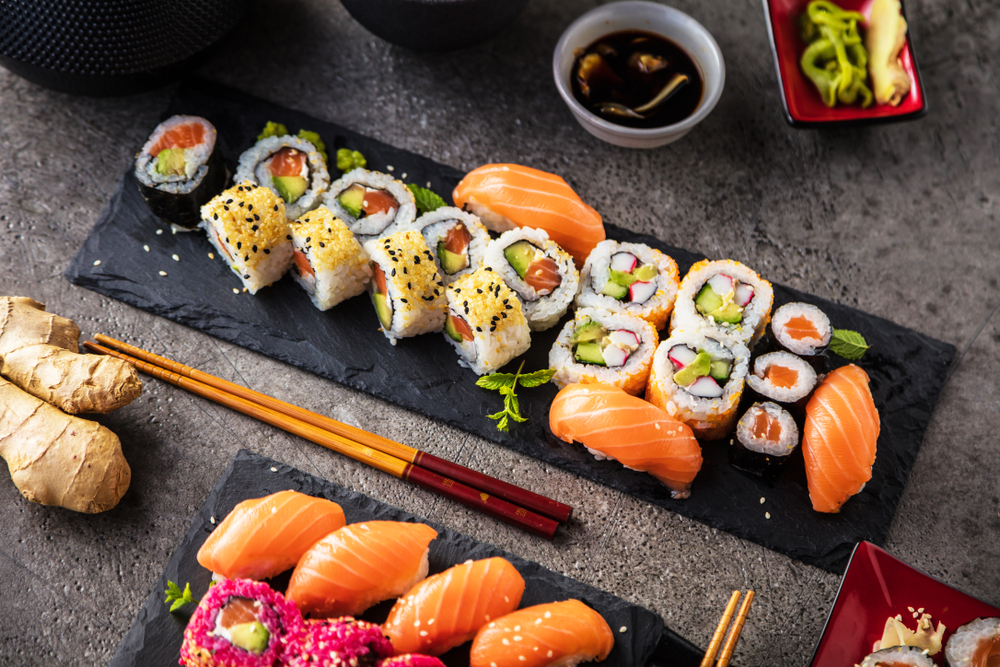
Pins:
x: 631, y: 68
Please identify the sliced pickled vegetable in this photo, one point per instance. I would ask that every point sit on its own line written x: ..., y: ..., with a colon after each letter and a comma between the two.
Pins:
x: 707, y: 300
x: 646, y: 272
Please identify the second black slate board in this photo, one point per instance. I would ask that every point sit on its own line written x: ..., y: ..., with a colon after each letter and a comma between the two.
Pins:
x: 155, y: 636
x: 907, y: 369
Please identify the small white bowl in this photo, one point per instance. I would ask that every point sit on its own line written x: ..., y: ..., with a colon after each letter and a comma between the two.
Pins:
x: 650, y: 17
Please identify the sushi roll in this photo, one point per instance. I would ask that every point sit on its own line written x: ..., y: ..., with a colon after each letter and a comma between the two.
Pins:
x: 698, y: 378
x: 974, y: 644
x: 411, y: 660
x: 724, y: 296
x: 240, y: 623
x: 485, y: 322
x: 901, y: 656
x: 600, y: 346
x: 330, y: 264
x: 543, y: 274
x: 247, y: 226
x: 179, y: 169
x: 766, y: 435
x: 340, y: 642
x: 371, y: 203
x: 561, y: 634
x: 631, y: 278
x: 290, y: 167
x: 783, y: 378
x: 802, y: 329
x: 457, y: 239
x: 406, y: 288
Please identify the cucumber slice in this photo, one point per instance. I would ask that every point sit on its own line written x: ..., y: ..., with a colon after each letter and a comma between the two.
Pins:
x: 720, y: 370
x: 622, y: 278
x: 614, y: 290
x: 589, y: 353
x: 707, y: 301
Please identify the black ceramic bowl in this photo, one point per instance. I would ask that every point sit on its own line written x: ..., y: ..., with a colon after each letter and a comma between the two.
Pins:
x: 434, y: 25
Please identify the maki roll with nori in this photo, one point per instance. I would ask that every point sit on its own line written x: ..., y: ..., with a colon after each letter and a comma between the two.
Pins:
x: 179, y: 169
x: 766, y: 435
x: 340, y: 642
x: 598, y: 345
x: 241, y: 623
x: 330, y: 264
x: 783, y: 378
x: 291, y: 167
x: 486, y: 323
x: 906, y: 656
x: 543, y: 274
x: 457, y: 239
x: 975, y: 644
x: 631, y: 278
x: 371, y: 203
x: 802, y: 329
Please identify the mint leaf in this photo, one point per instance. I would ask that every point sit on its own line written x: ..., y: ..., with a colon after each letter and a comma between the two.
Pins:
x: 272, y: 129
x: 495, y: 381
x: 848, y: 344
x: 315, y: 140
x: 427, y: 200
x: 177, y: 597
x: 537, y: 378
x: 348, y: 159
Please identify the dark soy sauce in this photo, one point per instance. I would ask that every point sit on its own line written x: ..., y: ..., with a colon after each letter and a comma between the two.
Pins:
x: 631, y: 67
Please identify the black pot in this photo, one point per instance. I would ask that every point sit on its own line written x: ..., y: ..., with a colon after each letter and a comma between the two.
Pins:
x: 110, y: 47
x: 434, y: 25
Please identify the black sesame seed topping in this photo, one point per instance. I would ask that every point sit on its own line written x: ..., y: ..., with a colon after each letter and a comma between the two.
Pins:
x: 479, y: 290
x: 241, y: 204
x: 466, y: 311
x: 322, y: 245
x: 239, y: 245
x: 288, y: 236
x: 403, y: 300
x: 246, y: 277
x: 255, y: 248
x: 225, y: 207
x: 257, y: 217
x: 246, y: 258
x: 504, y: 315
x: 250, y: 208
x: 215, y: 217
x: 308, y: 239
x: 254, y: 228
x: 229, y: 201
x: 267, y: 251
x: 275, y: 207
x: 408, y: 286
x: 416, y: 260
x: 479, y: 329
x: 394, y: 273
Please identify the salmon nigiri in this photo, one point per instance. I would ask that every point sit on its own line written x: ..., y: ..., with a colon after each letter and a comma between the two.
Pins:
x: 447, y: 609
x: 508, y: 196
x: 360, y: 565
x: 263, y: 537
x: 557, y: 633
x: 838, y: 443
x: 613, y: 424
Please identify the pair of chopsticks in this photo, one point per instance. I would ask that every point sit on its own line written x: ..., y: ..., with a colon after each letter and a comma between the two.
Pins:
x: 506, y: 502
x: 734, y: 635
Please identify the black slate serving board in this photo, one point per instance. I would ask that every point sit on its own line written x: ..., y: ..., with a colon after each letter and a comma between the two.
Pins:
x: 156, y: 635
x: 907, y: 369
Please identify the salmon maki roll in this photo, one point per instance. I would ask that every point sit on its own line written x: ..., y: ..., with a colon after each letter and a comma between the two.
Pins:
x: 841, y: 431
x: 447, y: 609
x: 611, y: 424
x: 263, y: 537
x: 508, y: 196
x: 558, y: 633
x: 359, y: 565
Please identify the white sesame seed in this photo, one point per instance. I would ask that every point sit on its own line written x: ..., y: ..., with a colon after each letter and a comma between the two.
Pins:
x: 273, y: 469
x: 428, y: 184
x: 506, y: 642
x: 390, y: 167
x: 163, y: 273
x: 767, y: 515
x: 538, y: 621
x: 423, y: 633
x: 235, y: 291
x: 146, y: 248
x: 159, y: 231
x: 762, y: 500
x: 517, y: 628
x: 623, y: 629
x: 430, y: 622
x: 404, y: 175
x: 493, y: 625
x: 910, y: 609
x: 518, y: 638
x: 921, y: 610
x: 175, y: 258
x: 521, y: 658
x: 416, y: 624
x: 212, y: 519
x: 97, y: 262
x: 548, y: 614
x: 657, y: 426
x: 549, y: 654
x: 506, y: 599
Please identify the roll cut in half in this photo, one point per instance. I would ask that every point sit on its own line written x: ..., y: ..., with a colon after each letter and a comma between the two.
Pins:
x: 406, y: 289
x: 900, y: 656
x: 457, y: 239
x: 782, y: 377
x: 543, y: 274
x: 630, y: 278
x: 600, y: 346
x: 724, y: 296
x: 802, y: 329
x: 372, y: 204
x: 975, y: 644
x: 247, y: 226
x: 290, y: 167
x: 698, y: 378
x: 485, y: 322
x: 766, y: 435
x: 179, y: 169
x: 330, y: 264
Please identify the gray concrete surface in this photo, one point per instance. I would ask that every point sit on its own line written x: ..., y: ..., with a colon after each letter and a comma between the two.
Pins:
x: 900, y: 221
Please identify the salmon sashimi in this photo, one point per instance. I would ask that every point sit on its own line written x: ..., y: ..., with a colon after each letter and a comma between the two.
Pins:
x: 557, y: 633
x: 360, y: 565
x: 263, y: 537
x: 507, y: 196
x: 185, y: 135
x: 841, y: 431
x: 447, y: 609
x: 287, y: 162
x: 613, y: 424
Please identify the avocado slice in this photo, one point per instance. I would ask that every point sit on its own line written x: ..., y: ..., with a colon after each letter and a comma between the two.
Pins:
x: 730, y: 314
x: 622, y: 278
x: 449, y: 328
x: 170, y: 161
x: 589, y: 353
x: 700, y: 367
x: 353, y: 200
x: 384, y: 310
x: 520, y: 256
x: 451, y: 262
x: 252, y: 637
x: 588, y: 331
x: 290, y: 188
x: 614, y: 290
x: 720, y: 370
x: 645, y: 272
x: 707, y: 301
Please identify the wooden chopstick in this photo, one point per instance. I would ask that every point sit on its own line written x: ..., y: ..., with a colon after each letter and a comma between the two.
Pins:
x: 720, y: 631
x: 495, y: 487
x: 734, y: 635
x: 484, y: 502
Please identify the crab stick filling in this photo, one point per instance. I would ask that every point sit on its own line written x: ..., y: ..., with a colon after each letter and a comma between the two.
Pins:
x: 723, y: 298
x: 700, y: 373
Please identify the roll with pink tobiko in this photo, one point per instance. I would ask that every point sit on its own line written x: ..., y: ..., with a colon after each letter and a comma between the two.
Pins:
x: 339, y: 642
x: 241, y: 623
x: 411, y: 660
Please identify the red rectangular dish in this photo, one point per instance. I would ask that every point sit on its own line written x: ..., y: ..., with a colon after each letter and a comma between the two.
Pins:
x: 803, y: 106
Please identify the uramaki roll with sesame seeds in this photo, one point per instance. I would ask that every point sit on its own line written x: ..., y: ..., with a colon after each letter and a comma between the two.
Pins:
x: 247, y: 225
x: 330, y: 264
x: 485, y: 324
x: 406, y: 288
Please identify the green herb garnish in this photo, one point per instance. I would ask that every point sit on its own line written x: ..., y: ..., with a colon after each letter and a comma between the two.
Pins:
x: 849, y: 344
x: 506, y: 384
x: 272, y: 129
x: 177, y: 597
x: 427, y: 200
x: 348, y: 159
x: 315, y: 140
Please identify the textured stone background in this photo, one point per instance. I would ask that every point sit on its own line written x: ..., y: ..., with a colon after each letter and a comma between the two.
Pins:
x: 900, y: 221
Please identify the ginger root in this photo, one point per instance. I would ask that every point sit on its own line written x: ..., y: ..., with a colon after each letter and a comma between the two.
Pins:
x: 884, y: 40
x: 57, y: 459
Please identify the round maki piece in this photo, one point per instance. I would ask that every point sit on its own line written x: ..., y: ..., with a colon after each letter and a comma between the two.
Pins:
x: 900, y: 656
x: 766, y: 435
x: 291, y: 167
x: 457, y: 239
x: 975, y: 644
x: 783, y: 377
x: 372, y: 204
x: 802, y: 329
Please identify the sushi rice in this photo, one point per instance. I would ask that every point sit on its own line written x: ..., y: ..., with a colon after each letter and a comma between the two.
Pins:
x: 368, y: 227
x: 253, y: 168
x: 330, y: 264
